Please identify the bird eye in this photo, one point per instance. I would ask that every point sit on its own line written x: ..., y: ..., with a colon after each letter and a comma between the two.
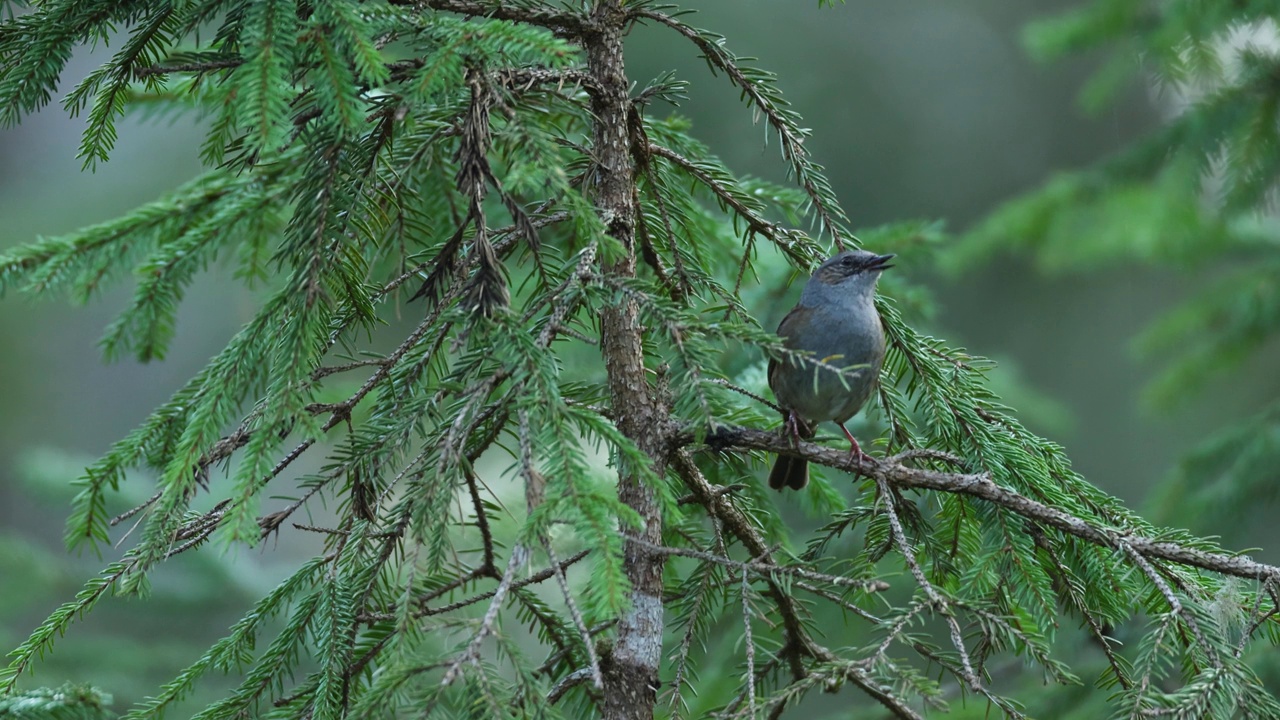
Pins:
x: 847, y: 262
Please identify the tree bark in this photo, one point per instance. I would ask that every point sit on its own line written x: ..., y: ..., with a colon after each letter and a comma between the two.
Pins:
x: 631, y: 669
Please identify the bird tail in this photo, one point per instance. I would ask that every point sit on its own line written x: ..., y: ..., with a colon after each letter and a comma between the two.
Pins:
x: 792, y: 472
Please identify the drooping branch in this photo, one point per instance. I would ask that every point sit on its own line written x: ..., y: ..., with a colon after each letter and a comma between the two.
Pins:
x: 519, y: 554
x: 784, y: 239
x: 758, y: 89
x: 797, y: 643
x: 979, y: 485
x: 895, y: 473
x: 741, y: 527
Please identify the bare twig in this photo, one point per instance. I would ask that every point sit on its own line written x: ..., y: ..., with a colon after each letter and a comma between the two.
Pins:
x: 559, y: 655
x: 567, y: 683
x: 519, y: 556
x: 925, y: 454
x: 718, y: 490
x: 764, y: 568
x: 523, y: 79
x: 560, y: 22
x: 540, y: 576
x: 749, y: 643
x: 199, y: 67
x: 134, y: 511
x: 584, y: 634
x: 838, y: 600
x: 482, y: 522
x: 746, y: 393
x: 322, y: 372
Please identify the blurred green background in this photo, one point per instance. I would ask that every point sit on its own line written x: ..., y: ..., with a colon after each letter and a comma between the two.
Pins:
x: 929, y: 110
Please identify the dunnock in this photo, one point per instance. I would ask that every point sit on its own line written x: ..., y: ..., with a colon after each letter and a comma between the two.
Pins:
x: 837, y: 329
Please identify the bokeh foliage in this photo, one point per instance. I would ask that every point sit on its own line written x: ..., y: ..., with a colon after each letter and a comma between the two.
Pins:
x: 1198, y: 196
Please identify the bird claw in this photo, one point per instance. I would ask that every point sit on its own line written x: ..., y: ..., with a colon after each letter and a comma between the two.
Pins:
x: 855, y: 450
x: 792, y: 427
x: 859, y: 457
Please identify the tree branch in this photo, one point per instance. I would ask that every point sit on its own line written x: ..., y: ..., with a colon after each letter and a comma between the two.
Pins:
x: 567, y: 24
x: 783, y: 238
x: 980, y: 485
x: 742, y: 528
x: 764, y: 569
x: 770, y: 104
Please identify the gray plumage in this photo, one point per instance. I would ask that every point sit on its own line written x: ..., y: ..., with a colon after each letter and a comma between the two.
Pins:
x: 835, y: 323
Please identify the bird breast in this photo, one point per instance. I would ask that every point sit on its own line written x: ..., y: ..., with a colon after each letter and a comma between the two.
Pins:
x: 850, y: 347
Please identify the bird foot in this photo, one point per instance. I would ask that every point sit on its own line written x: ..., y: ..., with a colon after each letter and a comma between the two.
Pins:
x: 792, y: 427
x: 859, y: 457
x: 855, y: 450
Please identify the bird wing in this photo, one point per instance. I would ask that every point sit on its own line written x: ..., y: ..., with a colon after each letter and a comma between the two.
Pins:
x: 773, y: 362
x: 797, y: 315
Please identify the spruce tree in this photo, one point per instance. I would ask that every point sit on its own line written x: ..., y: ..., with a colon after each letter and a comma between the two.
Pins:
x: 575, y: 265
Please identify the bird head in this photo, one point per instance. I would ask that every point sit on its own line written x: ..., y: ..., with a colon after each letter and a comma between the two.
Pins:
x: 856, y: 268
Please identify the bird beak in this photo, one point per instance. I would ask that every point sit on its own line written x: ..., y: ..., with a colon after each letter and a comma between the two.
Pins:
x: 881, y: 262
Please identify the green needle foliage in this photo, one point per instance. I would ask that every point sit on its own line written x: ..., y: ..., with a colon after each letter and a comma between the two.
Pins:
x: 544, y: 493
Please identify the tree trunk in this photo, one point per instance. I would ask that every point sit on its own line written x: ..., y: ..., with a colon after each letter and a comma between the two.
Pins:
x: 631, y: 669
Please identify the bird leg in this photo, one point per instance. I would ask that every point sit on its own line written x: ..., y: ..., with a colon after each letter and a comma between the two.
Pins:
x: 855, y: 450
x: 792, y: 427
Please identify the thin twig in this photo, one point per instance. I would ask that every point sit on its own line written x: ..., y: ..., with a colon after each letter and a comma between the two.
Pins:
x: 784, y: 239
x: 762, y: 568
x: 559, y: 655
x: 1170, y: 597
x: 1260, y: 618
x: 325, y: 371
x: 482, y: 522
x: 938, y: 602
x: 568, y: 682
x: 793, y: 149
x: 925, y: 454
x: 200, y: 67
x: 593, y: 660
x: 750, y: 644
x: 134, y: 511
x: 519, y: 556
x: 747, y: 393
x: 838, y: 600
x: 541, y: 576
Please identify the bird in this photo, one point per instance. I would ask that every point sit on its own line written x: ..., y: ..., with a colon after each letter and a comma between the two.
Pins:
x: 838, y: 341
